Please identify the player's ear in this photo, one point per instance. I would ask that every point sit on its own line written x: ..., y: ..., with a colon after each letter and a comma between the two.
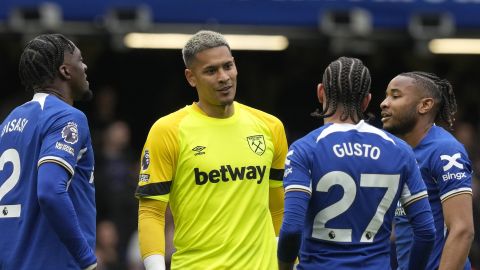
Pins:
x: 320, y: 93
x: 425, y: 105
x: 190, y: 78
x: 366, y: 101
x: 64, y: 72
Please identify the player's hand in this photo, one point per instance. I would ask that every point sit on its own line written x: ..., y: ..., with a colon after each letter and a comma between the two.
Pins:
x: 285, y: 266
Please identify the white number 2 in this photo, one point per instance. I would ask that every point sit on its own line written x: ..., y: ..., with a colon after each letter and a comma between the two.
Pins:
x: 349, y: 193
x: 10, y: 155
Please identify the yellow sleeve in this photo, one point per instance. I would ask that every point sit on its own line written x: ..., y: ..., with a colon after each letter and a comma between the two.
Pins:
x: 276, y: 192
x: 280, y: 144
x: 281, y: 148
x: 151, y: 227
x: 159, y: 159
x: 276, y: 207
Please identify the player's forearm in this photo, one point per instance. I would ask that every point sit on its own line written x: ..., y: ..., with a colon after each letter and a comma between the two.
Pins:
x: 276, y: 197
x: 291, y: 232
x: 457, y: 211
x: 59, y: 211
x: 456, y: 249
x: 151, y: 227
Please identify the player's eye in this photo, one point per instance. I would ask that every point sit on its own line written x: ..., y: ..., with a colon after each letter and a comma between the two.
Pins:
x: 228, y: 66
x: 210, y: 71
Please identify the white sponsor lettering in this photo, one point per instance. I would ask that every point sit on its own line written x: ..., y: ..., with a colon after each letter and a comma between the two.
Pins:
x: 453, y: 176
x: 66, y: 148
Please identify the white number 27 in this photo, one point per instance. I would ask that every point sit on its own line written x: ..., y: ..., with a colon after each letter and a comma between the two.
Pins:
x: 350, y: 191
x: 10, y: 155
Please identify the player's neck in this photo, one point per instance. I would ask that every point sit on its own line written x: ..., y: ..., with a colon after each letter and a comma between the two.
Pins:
x: 216, y: 111
x: 336, y: 119
x: 415, y: 136
x: 56, y: 92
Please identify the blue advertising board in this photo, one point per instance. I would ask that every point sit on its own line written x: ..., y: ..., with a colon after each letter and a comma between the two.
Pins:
x: 384, y: 13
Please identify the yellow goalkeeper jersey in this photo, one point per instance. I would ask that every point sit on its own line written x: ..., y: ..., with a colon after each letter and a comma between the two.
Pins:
x: 216, y: 174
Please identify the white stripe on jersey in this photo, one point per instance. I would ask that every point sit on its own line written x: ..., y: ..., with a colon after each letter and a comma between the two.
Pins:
x: 59, y: 160
x: 406, y: 197
x: 360, y: 127
x: 458, y: 190
x: 40, y: 98
x: 81, y: 153
x: 297, y: 187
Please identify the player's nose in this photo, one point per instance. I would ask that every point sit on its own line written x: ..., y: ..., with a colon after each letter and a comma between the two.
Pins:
x: 384, y: 104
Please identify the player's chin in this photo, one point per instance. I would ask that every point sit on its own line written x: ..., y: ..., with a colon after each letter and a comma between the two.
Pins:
x: 388, y: 126
x: 227, y: 101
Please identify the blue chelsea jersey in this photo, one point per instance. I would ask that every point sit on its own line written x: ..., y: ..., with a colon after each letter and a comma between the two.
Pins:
x: 45, y: 129
x: 447, y: 172
x: 356, y: 174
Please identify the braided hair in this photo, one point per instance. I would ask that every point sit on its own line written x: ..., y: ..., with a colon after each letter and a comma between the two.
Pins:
x: 440, y: 90
x: 347, y: 82
x: 41, y: 58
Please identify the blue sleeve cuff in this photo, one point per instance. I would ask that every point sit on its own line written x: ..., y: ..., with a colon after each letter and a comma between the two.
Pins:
x: 296, y: 203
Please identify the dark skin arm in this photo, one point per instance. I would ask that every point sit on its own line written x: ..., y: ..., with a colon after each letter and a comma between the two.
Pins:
x: 458, y: 215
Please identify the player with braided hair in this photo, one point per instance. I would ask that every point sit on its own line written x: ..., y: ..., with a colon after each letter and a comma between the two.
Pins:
x: 344, y: 74
x: 47, y: 195
x: 40, y: 62
x: 343, y: 181
x: 414, y: 102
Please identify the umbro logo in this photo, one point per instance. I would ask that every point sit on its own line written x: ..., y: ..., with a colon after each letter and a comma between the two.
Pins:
x: 199, y: 150
x: 452, y: 161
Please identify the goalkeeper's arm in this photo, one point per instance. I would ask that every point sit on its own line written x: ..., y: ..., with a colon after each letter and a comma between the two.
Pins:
x: 151, y: 233
x: 276, y: 196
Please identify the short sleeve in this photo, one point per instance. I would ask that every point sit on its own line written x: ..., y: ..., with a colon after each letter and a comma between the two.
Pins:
x: 452, y: 170
x: 279, y: 155
x: 64, y: 141
x: 297, y: 176
x: 158, y: 162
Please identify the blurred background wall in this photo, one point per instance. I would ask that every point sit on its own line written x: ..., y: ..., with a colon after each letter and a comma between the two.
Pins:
x: 136, y: 79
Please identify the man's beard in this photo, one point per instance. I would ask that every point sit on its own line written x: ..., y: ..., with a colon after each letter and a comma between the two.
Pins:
x: 403, y: 126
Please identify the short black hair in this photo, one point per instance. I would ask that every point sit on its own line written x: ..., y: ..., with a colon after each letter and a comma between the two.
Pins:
x: 41, y: 58
x: 346, y: 81
x: 440, y: 90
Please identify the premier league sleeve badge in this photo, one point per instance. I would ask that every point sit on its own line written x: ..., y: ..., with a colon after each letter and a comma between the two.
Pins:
x: 70, y: 133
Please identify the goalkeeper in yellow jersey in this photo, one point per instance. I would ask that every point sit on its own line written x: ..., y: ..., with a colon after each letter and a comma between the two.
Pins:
x: 218, y: 165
